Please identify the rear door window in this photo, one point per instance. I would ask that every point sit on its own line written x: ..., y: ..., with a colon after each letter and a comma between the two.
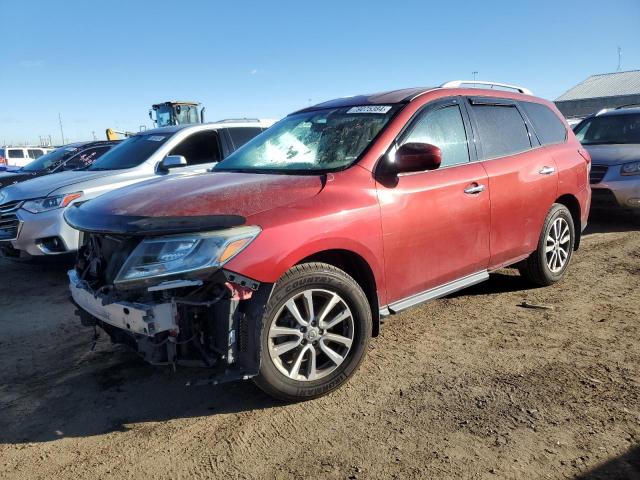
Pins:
x: 444, y: 128
x: 501, y: 129
x: 240, y: 136
x: 549, y: 128
x: 16, y: 153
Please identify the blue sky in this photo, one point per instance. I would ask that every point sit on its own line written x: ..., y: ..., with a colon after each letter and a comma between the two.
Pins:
x: 102, y: 64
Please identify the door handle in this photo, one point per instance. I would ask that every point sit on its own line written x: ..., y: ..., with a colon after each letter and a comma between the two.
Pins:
x: 546, y: 170
x: 474, y: 189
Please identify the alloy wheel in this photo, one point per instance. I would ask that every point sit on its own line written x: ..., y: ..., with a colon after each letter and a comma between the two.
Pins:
x: 311, y: 335
x: 558, y: 245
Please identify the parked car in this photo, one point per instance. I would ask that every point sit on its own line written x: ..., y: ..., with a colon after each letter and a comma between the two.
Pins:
x: 70, y: 157
x: 279, y: 264
x: 612, y: 138
x: 31, y: 222
x: 20, y: 156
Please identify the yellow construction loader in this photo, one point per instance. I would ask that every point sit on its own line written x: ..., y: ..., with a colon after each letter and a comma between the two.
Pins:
x: 165, y: 114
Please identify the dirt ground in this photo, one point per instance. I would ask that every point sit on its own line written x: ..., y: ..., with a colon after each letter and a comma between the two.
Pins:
x: 470, y: 386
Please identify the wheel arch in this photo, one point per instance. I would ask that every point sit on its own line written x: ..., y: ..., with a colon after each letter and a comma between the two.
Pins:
x: 572, y: 204
x: 357, y: 267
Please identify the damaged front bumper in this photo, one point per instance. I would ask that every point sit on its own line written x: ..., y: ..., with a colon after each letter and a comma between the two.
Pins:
x: 215, y: 324
x: 134, y: 318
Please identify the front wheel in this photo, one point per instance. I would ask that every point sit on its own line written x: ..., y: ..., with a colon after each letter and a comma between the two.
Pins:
x: 315, y: 332
x: 549, y: 262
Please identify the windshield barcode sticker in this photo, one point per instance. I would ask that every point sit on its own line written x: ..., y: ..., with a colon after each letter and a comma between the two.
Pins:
x: 155, y: 138
x: 370, y: 109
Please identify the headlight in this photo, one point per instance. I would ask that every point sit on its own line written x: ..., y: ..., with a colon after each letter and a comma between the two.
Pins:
x: 50, y: 203
x: 632, y: 168
x: 179, y: 254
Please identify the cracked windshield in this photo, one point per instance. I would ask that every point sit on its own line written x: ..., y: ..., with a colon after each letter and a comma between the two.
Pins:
x: 317, y: 140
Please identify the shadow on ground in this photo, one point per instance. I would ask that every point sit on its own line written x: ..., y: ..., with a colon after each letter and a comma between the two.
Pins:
x: 626, y: 466
x: 612, y: 220
x: 109, y: 390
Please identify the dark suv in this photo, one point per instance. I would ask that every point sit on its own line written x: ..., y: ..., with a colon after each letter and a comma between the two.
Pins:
x: 68, y: 157
x: 279, y: 263
x: 612, y: 138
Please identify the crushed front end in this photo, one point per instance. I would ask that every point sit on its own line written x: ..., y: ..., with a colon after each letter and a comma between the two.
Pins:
x: 197, y: 316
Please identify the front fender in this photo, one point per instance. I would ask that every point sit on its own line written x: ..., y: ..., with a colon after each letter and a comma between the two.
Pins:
x: 265, y: 260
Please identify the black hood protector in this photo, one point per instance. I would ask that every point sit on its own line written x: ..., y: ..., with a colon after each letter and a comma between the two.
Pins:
x: 10, y: 178
x: 86, y: 221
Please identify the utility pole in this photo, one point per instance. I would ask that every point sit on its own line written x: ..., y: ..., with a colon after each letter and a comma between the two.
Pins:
x: 475, y: 75
x: 61, y: 131
x: 619, y: 59
x: 94, y: 135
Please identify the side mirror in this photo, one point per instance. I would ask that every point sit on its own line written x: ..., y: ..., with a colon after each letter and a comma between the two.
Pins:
x: 172, y: 161
x: 417, y: 157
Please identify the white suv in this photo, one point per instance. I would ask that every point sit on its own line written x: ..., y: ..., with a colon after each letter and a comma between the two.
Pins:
x: 20, y: 156
x: 31, y: 222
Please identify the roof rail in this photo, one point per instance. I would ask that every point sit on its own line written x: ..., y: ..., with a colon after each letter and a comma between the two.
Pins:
x: 238, y: 120
x: 621, y: 107
x: 628, y: 105
x: 459, y: 83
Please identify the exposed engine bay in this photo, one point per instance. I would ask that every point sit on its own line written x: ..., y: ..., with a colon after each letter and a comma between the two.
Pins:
x: 211, y: 319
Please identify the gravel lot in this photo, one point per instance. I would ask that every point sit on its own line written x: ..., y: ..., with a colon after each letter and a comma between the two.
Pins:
x: 471, y: 386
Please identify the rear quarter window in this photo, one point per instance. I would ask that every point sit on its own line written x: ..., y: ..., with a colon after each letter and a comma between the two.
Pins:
x: 16, y: 153
x: 549, y: 128
x: 501, y: 129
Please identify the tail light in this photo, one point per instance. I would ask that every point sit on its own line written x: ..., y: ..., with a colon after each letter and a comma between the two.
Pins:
x: 3, y: 161
x: 587, y: 158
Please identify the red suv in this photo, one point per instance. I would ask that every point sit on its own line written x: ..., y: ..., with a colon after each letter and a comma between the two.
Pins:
x: 279, y: 263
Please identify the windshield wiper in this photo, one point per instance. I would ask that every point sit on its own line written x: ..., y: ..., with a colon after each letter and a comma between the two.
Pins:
x: 240, y: 170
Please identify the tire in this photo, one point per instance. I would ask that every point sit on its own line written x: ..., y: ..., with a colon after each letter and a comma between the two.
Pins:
x: 541, y: 268
x: 338, y: 326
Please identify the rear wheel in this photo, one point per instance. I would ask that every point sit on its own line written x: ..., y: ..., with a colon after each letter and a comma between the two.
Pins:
x: 550, y: 260
x: 316, y: 330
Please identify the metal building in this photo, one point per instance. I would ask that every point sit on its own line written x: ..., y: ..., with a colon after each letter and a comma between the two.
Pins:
x: 606, y: 90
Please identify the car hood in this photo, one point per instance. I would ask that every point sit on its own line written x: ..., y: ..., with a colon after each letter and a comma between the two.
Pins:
x: 46, y: 185
x: 171, y: 201
x: 613, y: 154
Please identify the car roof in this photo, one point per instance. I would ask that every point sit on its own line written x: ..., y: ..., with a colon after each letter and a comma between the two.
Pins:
x: 620, y: 111
x: 209, y: 125
x: 26, y: 146
x: 88, y: 143
x: 406, y: 95
x: 403, y: 95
